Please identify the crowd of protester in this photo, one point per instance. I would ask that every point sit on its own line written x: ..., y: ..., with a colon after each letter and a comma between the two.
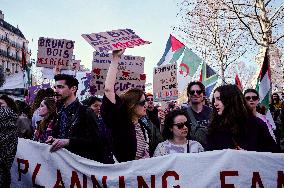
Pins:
x: 118, y: 128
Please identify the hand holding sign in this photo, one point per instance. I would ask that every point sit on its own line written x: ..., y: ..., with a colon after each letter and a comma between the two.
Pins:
x: 116, y: 54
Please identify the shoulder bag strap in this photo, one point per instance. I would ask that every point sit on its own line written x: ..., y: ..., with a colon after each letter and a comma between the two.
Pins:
x: 191, y: 116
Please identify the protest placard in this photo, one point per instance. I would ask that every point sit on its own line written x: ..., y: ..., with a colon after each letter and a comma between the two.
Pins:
x: 126, y: 63
x: 114, y: 40
x: 124, y: 80
x: 165, y: 83
x: 35, y: 166
x: 34, y: 89
x: 52, y: 52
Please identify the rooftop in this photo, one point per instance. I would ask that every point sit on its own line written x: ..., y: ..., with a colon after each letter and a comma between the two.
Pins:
x: 11, y: 28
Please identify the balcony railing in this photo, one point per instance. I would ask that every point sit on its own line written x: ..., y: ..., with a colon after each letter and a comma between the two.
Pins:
x: 4, y: 53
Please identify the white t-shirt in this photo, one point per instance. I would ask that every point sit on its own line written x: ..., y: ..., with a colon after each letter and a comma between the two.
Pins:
x: 167, y: 147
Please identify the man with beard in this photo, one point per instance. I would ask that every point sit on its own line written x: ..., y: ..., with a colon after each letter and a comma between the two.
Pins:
x: 75, y: 129
x: 199, y: 114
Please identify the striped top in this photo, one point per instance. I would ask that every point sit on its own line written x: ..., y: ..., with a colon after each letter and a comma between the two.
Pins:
x: 142, y: 145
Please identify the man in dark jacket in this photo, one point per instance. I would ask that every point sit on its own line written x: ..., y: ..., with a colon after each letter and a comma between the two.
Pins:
x: 75, y: 128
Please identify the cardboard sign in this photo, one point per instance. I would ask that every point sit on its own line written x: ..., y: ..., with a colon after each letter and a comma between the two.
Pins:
x: 126, y: 63
x: 35, y: 166
x: 114, y: 40
x: 124, y: 80
x: 52, y: 52
x: 165, y: 83
x: 75, y: 65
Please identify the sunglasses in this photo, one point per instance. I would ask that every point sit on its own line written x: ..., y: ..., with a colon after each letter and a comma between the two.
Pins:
x: 142, y: 103
x: 198, y: 92
x: 149, y: 99
x: 254, y: 98
x: 180, y: 125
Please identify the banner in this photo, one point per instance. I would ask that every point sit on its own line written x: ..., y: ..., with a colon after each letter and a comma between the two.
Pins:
x: 52, y: 52
x: 124, y: 80
x: 35, y: 166
x: 165, y: 83
x: 126, y: 63
x: 114, y: 40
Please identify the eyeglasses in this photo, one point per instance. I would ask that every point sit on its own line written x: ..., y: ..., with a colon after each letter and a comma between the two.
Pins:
x: 180, y: 125
x: 198, y: 92
x: 254, y: 98
x: 142, y: 103
x: 149, y: 99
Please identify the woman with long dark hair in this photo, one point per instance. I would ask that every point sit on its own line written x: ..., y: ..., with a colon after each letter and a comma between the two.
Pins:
x: 233, y: 124
x: 122, y: 114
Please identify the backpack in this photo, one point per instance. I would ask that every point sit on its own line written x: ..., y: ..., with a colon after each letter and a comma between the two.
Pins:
x: 197, y: 132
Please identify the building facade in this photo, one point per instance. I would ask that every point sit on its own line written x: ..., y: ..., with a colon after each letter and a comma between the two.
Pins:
x: 12, y: 42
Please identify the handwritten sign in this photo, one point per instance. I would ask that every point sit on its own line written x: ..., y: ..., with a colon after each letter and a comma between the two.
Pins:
x: 52, y: 52
x: 126, y: 63
x: 75, y: 65
x: 124, y: 80
x: 34, y: 89
x: 114, y: 40
x: 165, y: 83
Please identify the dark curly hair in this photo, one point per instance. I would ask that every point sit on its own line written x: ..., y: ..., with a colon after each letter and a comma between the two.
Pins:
x: 10, y: 103
x: 202, y: 87
x: 169, y: 122
x: 235, y: 113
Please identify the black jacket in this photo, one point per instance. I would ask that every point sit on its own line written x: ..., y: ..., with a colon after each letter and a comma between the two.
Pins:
x: 83, y: 133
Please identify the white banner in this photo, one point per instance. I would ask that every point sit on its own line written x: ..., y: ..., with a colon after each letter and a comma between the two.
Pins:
x: 35, y: 166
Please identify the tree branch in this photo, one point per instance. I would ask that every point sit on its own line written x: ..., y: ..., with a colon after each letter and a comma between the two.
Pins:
x: 250, y: 31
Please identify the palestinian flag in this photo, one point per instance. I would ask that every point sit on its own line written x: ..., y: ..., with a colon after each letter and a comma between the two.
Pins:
x: 173, y: 51
x: 238, y: 82
x: 264, y: 87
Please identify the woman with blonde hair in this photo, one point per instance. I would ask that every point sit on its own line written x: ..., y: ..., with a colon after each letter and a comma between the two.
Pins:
x: 122, y: 114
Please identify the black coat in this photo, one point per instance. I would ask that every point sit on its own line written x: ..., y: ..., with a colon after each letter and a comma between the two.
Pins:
x: 256, y: 137
x: 83, y: 133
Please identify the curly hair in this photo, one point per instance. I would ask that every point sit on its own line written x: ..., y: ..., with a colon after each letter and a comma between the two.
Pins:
x: 169, y: 122
x: 10, y: 103
x: 235, y: 113
x: 202, y: 87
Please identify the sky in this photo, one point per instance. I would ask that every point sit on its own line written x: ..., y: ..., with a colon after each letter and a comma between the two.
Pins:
x: 152, y: 20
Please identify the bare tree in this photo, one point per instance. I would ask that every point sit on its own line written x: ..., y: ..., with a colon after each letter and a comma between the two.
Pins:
x: 264, y: 21
x: 220, y: 40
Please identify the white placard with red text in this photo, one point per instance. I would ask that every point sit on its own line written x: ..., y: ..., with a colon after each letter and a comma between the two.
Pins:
x: 35, y: 166
x: 126, y: 63
x: 114, y: 40
x: 125, y: 80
